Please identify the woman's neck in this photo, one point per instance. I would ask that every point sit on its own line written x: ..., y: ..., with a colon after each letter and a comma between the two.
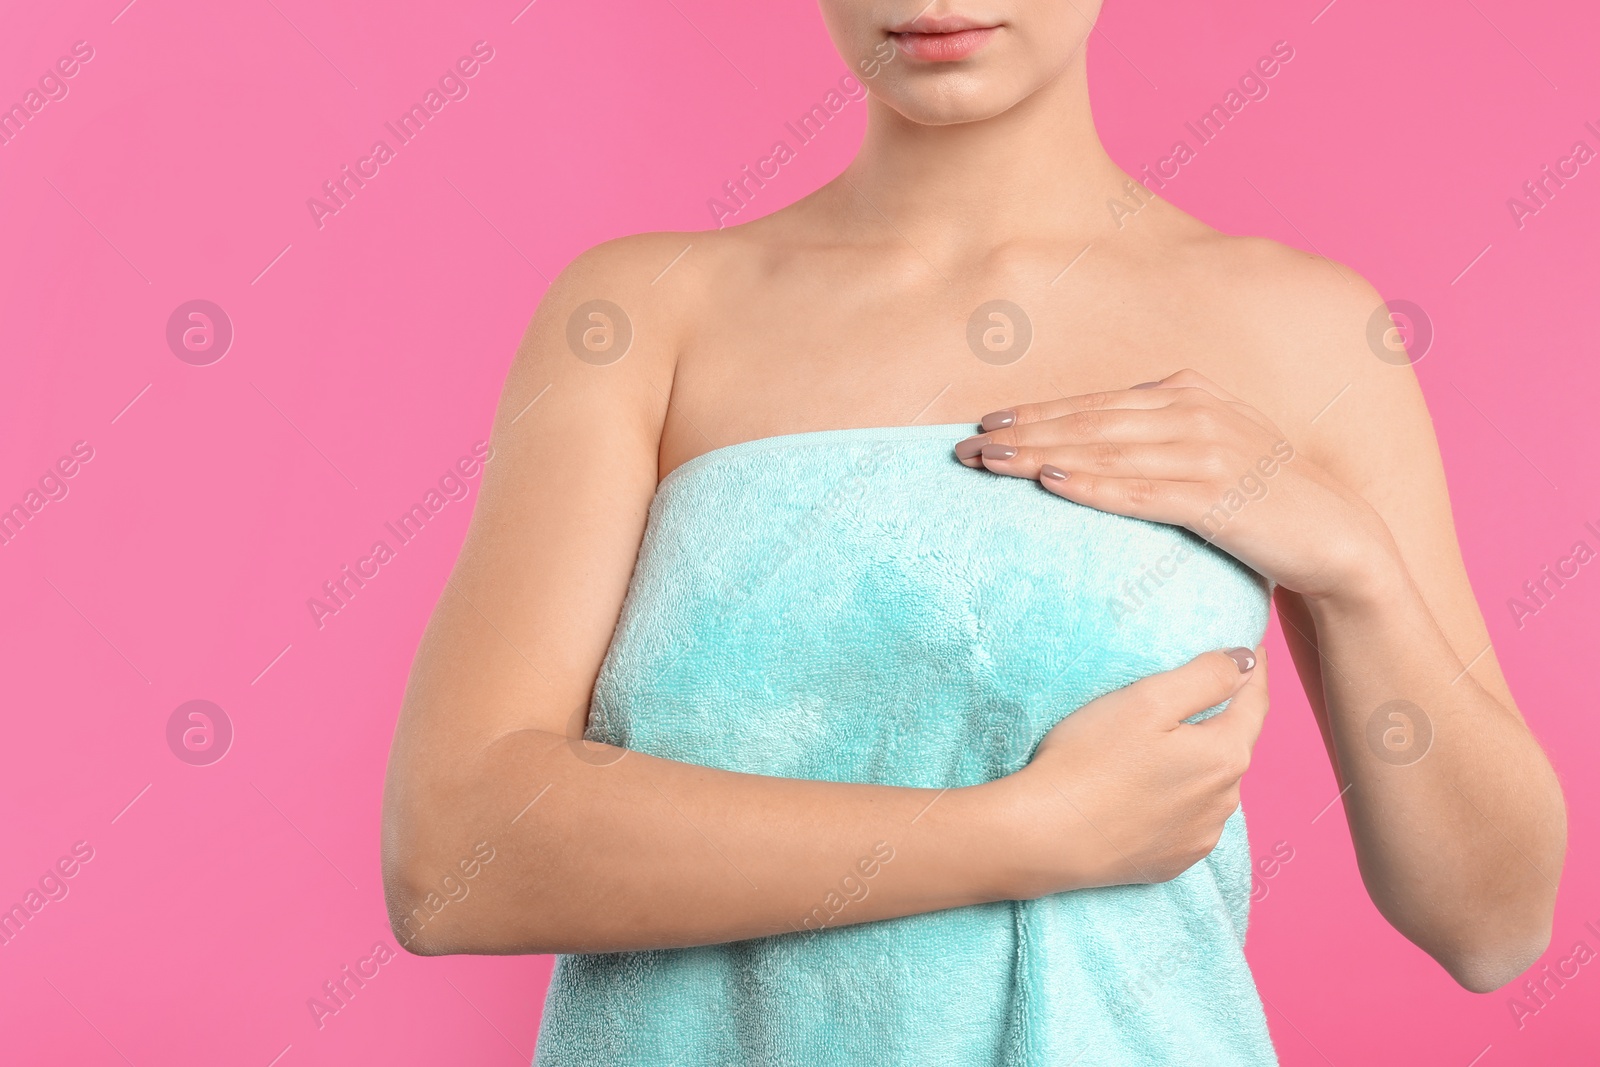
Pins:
x: 1035, y: 170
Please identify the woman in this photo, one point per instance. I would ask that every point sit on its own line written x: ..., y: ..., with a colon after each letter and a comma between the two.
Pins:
x: 824, y: 625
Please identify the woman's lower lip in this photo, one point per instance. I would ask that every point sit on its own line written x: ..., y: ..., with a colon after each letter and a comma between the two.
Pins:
x: 943, y: 47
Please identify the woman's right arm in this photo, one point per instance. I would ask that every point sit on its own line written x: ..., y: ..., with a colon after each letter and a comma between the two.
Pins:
x: 596, y: 849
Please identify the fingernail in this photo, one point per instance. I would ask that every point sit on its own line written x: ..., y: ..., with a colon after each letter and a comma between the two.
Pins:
x: 998, y: 451
x: 970, y: 448
x: 1053, y: 472
x: 1242, y: 658
x: 998, y: 420
x: 1144, y: 385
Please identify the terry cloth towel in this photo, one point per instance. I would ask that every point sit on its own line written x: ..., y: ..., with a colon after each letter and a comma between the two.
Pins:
x: 857, y: 606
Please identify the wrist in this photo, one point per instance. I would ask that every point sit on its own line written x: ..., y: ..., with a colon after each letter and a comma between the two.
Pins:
x: 1022, y: 832
x: 990, y: 848
x: 1369, y: 575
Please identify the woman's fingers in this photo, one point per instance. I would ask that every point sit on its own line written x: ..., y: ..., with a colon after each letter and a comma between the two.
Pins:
x: 1114, y: 426
x: 1193, y: 379
x: 1185, y: 389
x: 1241, y: 721
x: 1160, y: 482
x: 1153, y: 791
x: 1027, y: 414
x: 1178, y: 503
x: 1172, y: 696
x: 1103, y: 458
x: 1179, y: 387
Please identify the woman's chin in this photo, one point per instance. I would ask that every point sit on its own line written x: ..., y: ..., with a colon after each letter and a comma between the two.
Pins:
x: 950, y: 105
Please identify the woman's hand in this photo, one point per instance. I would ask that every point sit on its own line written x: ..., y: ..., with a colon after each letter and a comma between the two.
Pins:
x: 1186, y: 452
x: 1141, y: 795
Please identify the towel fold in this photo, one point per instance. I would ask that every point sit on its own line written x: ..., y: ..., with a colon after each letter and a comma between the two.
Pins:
x: 857, y: 606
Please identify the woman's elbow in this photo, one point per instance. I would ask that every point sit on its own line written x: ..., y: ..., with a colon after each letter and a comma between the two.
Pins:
x: 442, y: 904
x: 436, y: 917
x: 1490, y: 964
x: 417, y: 889
x: 406, y: 900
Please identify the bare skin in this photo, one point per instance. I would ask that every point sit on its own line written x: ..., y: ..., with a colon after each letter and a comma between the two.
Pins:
x: 977, y: 180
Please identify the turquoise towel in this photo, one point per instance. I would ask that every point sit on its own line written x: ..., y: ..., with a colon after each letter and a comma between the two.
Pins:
x: 857, y: 606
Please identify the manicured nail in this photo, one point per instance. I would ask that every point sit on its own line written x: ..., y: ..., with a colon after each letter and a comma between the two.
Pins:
x: 998, y: 451
x: 998, y: 420
x: 1147, y: 385
x: 1242, y: 658
x: 1054, y: 473
x: 970, y: 448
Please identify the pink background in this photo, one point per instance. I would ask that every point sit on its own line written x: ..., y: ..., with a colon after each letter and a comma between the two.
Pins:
x: 367, y: 357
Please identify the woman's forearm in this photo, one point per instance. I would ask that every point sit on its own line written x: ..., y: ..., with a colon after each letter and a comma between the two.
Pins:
x: 1456, y: 815
x: 543, y: 843
x: 596, y: 849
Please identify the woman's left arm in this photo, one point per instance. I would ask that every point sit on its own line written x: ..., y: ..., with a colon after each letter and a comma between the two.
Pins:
x: 1457, y: 816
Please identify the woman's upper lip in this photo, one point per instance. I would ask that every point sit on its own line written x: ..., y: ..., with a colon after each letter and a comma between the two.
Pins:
x: 941, y: 24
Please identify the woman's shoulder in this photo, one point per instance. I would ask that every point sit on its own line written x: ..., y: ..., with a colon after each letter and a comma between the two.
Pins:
x: 636, y: 295
x: 1309, y: 327
x: 1302, y: 298
x: 634, y: 265
x: 1314, y: 344
x: 663, y: 275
